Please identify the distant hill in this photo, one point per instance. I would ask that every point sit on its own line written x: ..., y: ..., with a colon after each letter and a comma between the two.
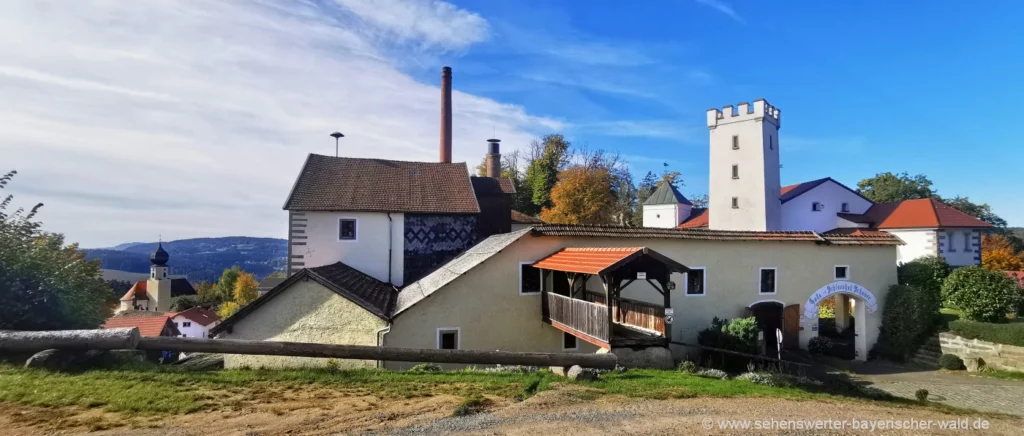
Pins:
x: 199, y: 259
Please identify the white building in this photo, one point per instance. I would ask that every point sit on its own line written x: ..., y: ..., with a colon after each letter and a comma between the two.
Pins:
x: 195, y: 322
x: 745, y: 194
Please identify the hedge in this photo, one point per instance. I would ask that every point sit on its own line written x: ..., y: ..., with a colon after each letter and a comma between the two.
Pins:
x: 906, y: 322
x: 980, y: 294
x: 1009, y: 334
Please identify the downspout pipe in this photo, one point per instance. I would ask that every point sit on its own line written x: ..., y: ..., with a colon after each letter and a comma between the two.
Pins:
x: 391, y: 242
x: 380, y: 341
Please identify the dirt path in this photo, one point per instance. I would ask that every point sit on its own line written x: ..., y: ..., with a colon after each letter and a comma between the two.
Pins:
x: 568, y: 411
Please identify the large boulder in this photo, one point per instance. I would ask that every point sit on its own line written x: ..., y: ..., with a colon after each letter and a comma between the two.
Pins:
x: 54, y: 360
x: 577, y: 372
x: 648, y: 357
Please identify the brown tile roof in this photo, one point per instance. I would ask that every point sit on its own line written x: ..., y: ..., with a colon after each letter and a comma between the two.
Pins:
x: 199, y: 315
x: 147, y: 325
x: 698, y: 218
x: 492, y: 186
x: 367, y: 292
x: 586, y: 260
x: 522, y: 218
x: 860, y: 236
x: 377, y: 185
x: 924, y: 212
x: 708, y: 235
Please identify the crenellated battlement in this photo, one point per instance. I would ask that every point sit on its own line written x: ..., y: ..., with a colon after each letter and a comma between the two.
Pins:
x: 760, y: 109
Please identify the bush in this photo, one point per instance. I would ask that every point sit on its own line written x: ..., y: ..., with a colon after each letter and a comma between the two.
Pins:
x: 739, y: 335
x: 830, y: 347
x: 1009, y: 334
x: 921, y: 395
x: 927, y: 274
x: 980, y: 294
x: 712, y: 373
x: 907, y: 321
x: 950, y: 362
x: 687, y: 367
x: 827, y: 309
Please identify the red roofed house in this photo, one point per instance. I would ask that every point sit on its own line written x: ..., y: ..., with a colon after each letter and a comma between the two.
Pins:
x: 154, y: 325
x: 195, y: 322
x: 745, y: 194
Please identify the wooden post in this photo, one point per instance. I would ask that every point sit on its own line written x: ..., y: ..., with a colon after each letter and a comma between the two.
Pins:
x: 668, y: 304
x: 608, y: 300
x: 545, y: 311
x: 106, y: 339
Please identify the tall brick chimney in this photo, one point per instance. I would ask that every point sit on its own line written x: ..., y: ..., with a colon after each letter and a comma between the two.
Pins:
x: 493, y: 159
x: 446, y: 115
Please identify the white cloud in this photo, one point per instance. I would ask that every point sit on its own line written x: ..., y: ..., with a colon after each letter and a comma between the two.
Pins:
x: 429, y: 22
x: 674, y: 130
x: 724, y: 8
x: 132, y: 119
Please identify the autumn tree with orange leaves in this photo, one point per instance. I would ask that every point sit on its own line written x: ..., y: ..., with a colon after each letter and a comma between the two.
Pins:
x: 997, y: 254
x: 582, y: 196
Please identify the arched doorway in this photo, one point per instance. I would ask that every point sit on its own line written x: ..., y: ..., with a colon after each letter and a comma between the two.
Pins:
x: 769, y: 317
x: 862, y: 300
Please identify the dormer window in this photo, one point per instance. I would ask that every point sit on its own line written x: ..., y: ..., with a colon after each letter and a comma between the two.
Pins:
x: 817, y: 207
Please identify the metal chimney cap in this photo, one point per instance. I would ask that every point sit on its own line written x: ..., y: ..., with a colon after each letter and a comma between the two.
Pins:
x: 493, y: 140
x: 337, y: 135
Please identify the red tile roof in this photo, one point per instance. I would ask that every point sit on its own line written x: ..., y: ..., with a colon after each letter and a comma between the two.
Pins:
x: 138, y: 290
x: 1018, y: 276
x: 522, y: 218
x: 147, y: 325
x: 586, y: 260
x: 698, y: 218
x: 203, y: 317
x: 919, y: 213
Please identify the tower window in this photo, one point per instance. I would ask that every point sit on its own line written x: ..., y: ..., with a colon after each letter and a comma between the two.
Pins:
x: 735, y: 202
x: 817, y: 207
x: 771, y: 143
x: 735, y: 171
x: 846, y: 207
x: 735, y: 142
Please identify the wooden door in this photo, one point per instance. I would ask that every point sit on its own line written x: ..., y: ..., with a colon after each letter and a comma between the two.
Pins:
x: 791, y: 327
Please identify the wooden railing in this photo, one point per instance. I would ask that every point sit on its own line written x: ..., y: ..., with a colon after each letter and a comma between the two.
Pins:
x: 585, y: 317
x: 632, y: 312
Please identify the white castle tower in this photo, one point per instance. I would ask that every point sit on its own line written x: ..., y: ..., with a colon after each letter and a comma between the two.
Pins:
x: 744, y: 170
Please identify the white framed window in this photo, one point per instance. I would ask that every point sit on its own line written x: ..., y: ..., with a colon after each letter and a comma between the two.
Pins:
x: 348, y: 229
x: 817, y: 207
x: 768, y: 281
x: 529, y: 279
x: 449, y: 338
x: 696, y: 282
x: 951, y: 240
x: 841, y: 272
x: 735, y: 142
x: 845, y: 208
x: 569, y: 342
x: 967, y: 241
x: 186, y: 324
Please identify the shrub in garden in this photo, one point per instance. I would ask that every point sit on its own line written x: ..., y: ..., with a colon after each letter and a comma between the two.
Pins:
x: 687, y: 367
x: 927, y: 274
x: 712, y: 373
x: 921, y: 395
x: 1010, y: 334
x: 906, y: 322
x: 830, y: 347
x: 980, y: 294
x: 740, y: 335
x: 950, y: 362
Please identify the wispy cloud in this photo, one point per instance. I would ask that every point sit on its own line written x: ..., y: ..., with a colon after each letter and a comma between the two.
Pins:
x: 724, y: 8
x: 208, y: 110
x: 673, y: 130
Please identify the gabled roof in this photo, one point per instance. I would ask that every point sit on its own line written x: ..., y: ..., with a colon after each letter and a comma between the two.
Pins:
x: 198, y: 315
x: 698, y: 218
x: 522, y: 218
x: 708, y: 235
x: 450, y: 271
x: 367, y: 292
x: 179, y: 288
x: 793, y: 191
x: 919, y: 213
x: 378, y: 185
x: 590, y: 260
x: 666, y: 194
x: 147, y: 325
x: 492, y: 186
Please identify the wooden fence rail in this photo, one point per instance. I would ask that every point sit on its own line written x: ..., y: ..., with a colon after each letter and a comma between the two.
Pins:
x: 118, y: 339
x: 582, y: 316
x: 636, y: 313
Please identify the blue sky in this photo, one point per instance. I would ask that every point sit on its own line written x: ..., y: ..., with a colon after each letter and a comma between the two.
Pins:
x: 136, y: 119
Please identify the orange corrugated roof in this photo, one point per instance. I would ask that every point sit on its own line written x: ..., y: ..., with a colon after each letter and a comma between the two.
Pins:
x: 698, y: 218
x: 138, y: 289
x: 586, y: 260
x: 147, y: 325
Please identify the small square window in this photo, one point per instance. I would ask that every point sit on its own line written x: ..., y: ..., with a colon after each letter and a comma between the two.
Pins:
x: 817, y: 207
x: 735, y: 142
x: 846, y: 207
x: 448, y: 339
x: 569, y: 342
x: 347, y: 229
x: 842, y: 272
x: 735, y: 171
x: 529, y: 279
x: 695, y: 282
x: 768, y: 281
x: 186, y: 324
x: 735, y: 202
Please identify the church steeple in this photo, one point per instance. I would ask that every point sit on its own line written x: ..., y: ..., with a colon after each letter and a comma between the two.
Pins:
x: 159, y: 257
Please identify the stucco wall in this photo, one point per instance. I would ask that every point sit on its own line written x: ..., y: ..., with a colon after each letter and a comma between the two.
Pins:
x: 918, y: 243
x: 195, y: 330
x: 797, y: 213
x: 957, y: 250
x: 665, y: 216
x: 368, y: 253
x: 757, y: 187
x: 486, y: 306
x: 306, y: 312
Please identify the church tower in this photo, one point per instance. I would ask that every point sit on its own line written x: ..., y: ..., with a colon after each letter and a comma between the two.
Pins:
x: 159, y: 285
x: 743, y: 187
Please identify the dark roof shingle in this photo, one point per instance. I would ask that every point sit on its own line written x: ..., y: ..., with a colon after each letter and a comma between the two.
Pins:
x: 666, y: 194
x: 492, y: 186
x: 522, y: 218
x: 378, y: 185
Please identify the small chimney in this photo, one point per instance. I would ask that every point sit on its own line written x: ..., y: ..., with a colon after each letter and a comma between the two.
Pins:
x: 446, y: 115
x: 493, y: 160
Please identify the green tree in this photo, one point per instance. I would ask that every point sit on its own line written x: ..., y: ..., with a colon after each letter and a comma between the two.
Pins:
x: 889, y: 187
x: 224, y: 290
x: 980, y: 211
x: 227, y: 309
x: 44, y: 284
x: 183, y: 304
x: 980, y: 294
x: 206, y: 292
x: 552, y: 155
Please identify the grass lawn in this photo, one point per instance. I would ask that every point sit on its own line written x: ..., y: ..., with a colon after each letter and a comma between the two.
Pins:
x: 1007, y: 375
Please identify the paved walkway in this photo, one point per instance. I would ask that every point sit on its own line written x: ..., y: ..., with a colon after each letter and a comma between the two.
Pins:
x: 955, y: 389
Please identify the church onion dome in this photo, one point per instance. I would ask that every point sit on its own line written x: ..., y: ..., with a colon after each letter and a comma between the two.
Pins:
x: 159, y: 257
